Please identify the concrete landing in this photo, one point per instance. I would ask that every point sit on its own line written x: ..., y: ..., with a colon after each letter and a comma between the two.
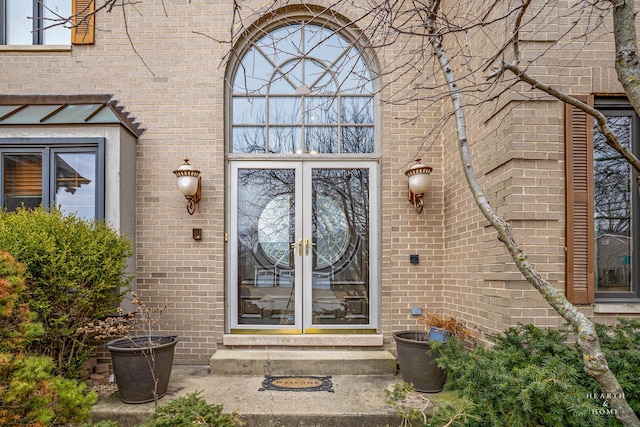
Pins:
x: 289, y: 362
x: 357, y: 401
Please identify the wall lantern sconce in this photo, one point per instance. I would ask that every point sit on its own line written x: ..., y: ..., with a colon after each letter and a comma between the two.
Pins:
x: 418, y: 175
x: 189, y: 184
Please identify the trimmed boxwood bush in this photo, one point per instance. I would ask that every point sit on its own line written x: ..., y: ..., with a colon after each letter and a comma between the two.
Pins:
x: 75, y: 272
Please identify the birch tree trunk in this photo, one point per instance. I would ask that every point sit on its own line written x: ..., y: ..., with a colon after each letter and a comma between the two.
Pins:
x: 594, y: 359
x: 627, y: 61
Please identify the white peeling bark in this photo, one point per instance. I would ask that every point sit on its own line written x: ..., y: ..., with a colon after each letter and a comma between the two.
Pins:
x: 603, y: 127
x: 594, y: 359
x: 627, y: 60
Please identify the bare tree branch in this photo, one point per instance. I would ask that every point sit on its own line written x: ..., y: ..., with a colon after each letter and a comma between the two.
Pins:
x: 594, y: 359
x: 603, y: 127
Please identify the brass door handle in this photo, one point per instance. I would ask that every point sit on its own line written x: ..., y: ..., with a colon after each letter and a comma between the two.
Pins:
x: 293, y: 245
x: 306, y: 245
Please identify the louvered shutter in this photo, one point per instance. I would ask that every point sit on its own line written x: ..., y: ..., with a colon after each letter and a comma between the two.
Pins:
x: 580, y: 204
x: 83, y: 31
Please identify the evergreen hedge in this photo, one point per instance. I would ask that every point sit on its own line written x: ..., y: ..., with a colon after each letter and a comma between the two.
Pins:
x: 535, y: 377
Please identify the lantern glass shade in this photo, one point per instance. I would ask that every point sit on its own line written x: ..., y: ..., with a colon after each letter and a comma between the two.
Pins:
x: 419, y: 183
x: 188, y: 185
x: 187, y: 179
x: 418, y: 175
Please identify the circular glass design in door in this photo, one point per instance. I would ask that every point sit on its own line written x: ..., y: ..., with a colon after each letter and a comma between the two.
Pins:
x: 273, y: 230
x: 332, y: 231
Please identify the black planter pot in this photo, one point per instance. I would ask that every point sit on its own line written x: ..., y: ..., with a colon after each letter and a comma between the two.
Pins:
x: 134, y: 361
x: 417, y: 365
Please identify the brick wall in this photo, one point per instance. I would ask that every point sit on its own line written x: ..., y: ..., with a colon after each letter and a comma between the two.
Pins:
x: 177, y: 92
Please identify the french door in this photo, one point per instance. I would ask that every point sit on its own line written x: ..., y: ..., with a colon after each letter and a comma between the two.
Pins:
x: 302, y: 245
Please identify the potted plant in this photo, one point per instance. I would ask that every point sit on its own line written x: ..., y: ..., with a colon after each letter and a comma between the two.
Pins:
x: 142, y: 359
x: 441, y: 327
x: 416, y: 360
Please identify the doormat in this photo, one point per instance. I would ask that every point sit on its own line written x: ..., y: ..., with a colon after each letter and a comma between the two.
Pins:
x: 297, y: 383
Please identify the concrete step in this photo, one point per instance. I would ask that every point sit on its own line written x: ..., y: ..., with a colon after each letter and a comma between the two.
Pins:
x: 355, y: 401
x: 288, y: 362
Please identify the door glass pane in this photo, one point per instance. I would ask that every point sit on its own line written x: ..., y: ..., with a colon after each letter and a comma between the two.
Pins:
x: 353, y: 74
x: 612, y: 193
x: 247, y: 79
x: 285, y: 139
x: 285, y: 83
x: 340, y: 242
x: 357, y: 139
x: 249, y: 110
x: 285, y: 110
x: 321, y: 139
x: 76, y: 183
x: 266, y: 230
x: 22, y: 181
x: 250, y: 139
x: 320, y: 110
x: 311, y: 77
x: 357, y: 110
x: 281, y: 44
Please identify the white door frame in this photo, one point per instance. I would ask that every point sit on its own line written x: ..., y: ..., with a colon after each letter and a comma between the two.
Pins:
x: 303, y: 267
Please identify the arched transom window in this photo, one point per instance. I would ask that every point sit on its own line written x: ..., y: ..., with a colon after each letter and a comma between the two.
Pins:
x: 302, y: 89
x: 302, y: 173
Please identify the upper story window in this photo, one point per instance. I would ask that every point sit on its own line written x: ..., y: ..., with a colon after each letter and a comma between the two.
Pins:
x: 302, y: 89
x: 42, y: 22
x: 32, y: 22
x: 616, y: 205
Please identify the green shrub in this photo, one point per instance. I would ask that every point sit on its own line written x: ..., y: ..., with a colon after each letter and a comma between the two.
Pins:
x: 30, y: 395
x: 101, y: 424
x: 75, y: 272
x: 11, y: 283
x: 17, y: 326
x: 532, y: 377
x: 191, y: 410
x: 621, y: 345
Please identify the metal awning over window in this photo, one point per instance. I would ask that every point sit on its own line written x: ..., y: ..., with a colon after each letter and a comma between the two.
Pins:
x: 33, y: 110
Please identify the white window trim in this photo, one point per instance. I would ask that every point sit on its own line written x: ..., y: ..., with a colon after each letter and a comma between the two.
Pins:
x: 36, y: 48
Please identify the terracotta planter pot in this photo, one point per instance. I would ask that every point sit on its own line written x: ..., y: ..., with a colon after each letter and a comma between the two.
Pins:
x: 135, y: 367
x: 417, y: 365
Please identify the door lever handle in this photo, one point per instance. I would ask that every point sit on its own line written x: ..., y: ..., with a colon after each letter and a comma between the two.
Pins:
x: 293, y: 245
x: 306, y: 245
